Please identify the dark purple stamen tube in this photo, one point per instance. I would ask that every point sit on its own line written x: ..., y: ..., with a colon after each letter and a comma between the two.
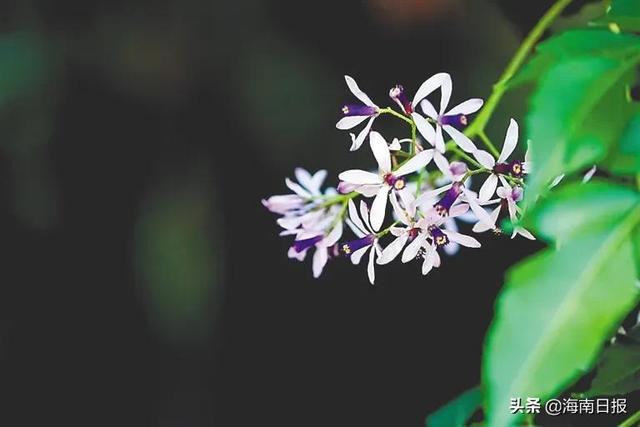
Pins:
x: 443, y: 206
x: 304, y: 244
x: 358, y: 110
x: 398, y: 94
x: 352, y: 246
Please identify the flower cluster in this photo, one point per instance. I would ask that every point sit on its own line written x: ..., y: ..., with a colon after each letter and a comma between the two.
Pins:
x: 421, y: 192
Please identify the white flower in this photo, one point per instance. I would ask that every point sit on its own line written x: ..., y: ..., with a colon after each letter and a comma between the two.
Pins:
x: 500, y: 167
x: 444, y: 120
x: 386, y: 179
x: 304, y: 193
x: 508, y: 197
x: 355, y: 114
x: 425, y: 237
x: 324, y: 244
x: 367, y: 239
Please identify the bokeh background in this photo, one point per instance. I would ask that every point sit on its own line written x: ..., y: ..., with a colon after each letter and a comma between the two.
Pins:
x: 143, y: 284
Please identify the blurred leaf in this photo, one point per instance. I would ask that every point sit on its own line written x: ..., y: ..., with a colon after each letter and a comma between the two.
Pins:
x: 579, y: 110
x: 23, y: 63
x: 635, y: 240
x: 625, y: 160
x: 556, y: 310
x: 582, y: 43
x: 578, y: 208
x: 457, y: 412
x: 177, y: 259
x: 586, y: 16
x: 619, y: 368
x: 625, y: 14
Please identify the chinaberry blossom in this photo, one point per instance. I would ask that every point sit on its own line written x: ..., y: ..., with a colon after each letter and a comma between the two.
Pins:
x: 386, y: 180
x: 367, y: 238
x: 430, y: 202
x: 508, y: 199
x: 354, y: 114
x: 450, y: 121
x: 500, y: 167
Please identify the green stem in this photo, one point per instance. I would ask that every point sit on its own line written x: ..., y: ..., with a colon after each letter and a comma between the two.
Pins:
x: 465, y: 156
x: 483, y: 136
x: 386, y: 230
x: 514, y: 65
x: 394, y: 113
x: 631, y: 421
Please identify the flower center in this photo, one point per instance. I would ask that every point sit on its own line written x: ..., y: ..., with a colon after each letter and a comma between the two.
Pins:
x: 439, y: 238
x: 443, y: 206
x: 516, y: 169
x: 397, y: 183
x: 359, y: 110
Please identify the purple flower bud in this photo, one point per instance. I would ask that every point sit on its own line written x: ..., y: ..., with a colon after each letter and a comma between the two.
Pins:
x: 457, y: 120
x: 458, y: 168
x: 359, y: 110
x: 516, y: 193
x: 346, y: 187
x: 398, y: 94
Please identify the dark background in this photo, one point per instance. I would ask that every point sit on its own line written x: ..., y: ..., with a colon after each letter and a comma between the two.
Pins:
x: 143, y: 283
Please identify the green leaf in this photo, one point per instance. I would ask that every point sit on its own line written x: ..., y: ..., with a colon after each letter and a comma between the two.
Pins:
x: 619, y: 368
x: 576, y: 44
x: 625, y: 160
x: 579, y: 208
x: 554, y: 313
x: 635, y: 240
x: 625, y: 13
x: 457, y: 412
x: 578, y: 111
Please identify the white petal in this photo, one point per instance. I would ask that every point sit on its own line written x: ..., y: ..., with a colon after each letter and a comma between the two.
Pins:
x: 428, y: 86
x: 354, y: 228
x: 355, y: 218
x: 446, y: 88
x: 452, y: 248
x: 469, y: 106
x: 350, y: 122
x: 587, y: 176
x: 417, y: 162
x: 429, y: 258
x: 482, y: 215
x: 443, y: 164
x: 488, y: 188
x: 412, y: 248
x: 395, y: 145
x: 512, y: 209
x: 510, y: 141
x: 319, y: 261
x: 293, y: 254
x: 484, y: 158
x: 429, y: 109
x: 400, y: 213
x: 439, y: 139
x: 371, y: 271
x: 481, y: 227
x: 379, y: 208
x: 524, y: 233
x: 462, y: 239
x: 303, y: 177
x: 461, y: 139
x: 364, y: 213
x: 357, y: 255
x: 425, y: 128
x: 356, y: 142
x: 408, y: 201
x: 316, y: 181
x: 457, y: 210
x: 380, y: 151
x: 355, y: 90
x: 296, y: 188
x: 334, y: 235
x: 429, y: 196
x: 360, y: 177
x: 391, y: 252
